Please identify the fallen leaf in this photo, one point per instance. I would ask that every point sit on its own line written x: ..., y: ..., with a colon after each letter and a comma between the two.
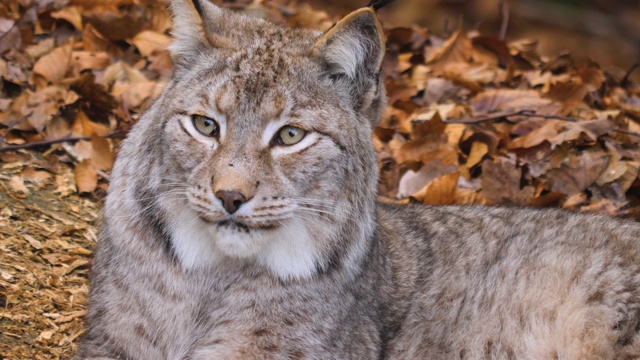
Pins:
x: 55, y: 64
x: 83, y: 60
x: 34, y: 176
x: 86, y: 177
x: 45, y: 335
x: 412, y: 181
x: 32, y: 241
x: 469, y: 197
x: 477, y: 153
x: 17, y: 188
x: 580, y: 172
x: 58, y: 258
x: 69, y: 317
x: 557, y: 132
x: 575, y: 200
x: 134, y: 95
x: 491, y: 102
x: 149, y: 42
x: 440, y: 191
x: 457, y: 49
x: 501, y: 183
x: 9, y: 35
x: 102, y: 156
x: 604, y: 207
x: 71, y: 14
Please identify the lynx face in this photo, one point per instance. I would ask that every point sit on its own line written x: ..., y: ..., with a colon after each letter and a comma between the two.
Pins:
x: 265, y: 141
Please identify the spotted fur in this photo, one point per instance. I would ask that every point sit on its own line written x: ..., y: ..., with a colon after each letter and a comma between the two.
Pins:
x: 310, y: 265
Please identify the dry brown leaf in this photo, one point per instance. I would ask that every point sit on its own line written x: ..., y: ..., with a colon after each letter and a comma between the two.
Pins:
x: 575, y: 200
x: 86, y: 177
x: 58, y: 258
x: 32, y: 241
x: 102, y: 156
x: 149, y: 42
x: 114, y: 24
x: 134, y: 95
x: 569, y: 94
x: 469, y: 197
x: 92, y: 40
x: 102, y: 103
x: 547, y: 200
x: 623, y: 173
x: 495, y: 101
x: 57, y: 128
x: 501, y: 183
x: 557, y: 132
x: 44, y: 104
x: 491, y: 50
x: 41, y: 48
x: 83, y: 60
x: 17, y: 188
x: 412, y: 181
x: 604, y: 207
x: 85, y: 127
x: 9, y: 35
x: 457, y: 49
x: 38, y: 177
x: 54, y: 66
x: 70, y: 13
x: 580, y: 172
x: 477, y: 153
x: 440, y: 191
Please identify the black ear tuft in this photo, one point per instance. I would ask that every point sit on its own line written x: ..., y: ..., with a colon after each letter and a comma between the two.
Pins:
x: 379, y: 4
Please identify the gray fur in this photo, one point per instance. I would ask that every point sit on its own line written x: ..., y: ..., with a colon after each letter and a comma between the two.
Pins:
x: 313, y: 267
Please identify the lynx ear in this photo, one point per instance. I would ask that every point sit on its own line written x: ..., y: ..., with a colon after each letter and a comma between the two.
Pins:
x: 193, y: 27
x: 352, y: 51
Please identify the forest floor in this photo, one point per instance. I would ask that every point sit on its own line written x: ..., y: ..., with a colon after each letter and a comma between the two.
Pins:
x: 472, y: 119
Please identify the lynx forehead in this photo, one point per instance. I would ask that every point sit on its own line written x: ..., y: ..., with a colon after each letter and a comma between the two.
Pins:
x: 242, y: 223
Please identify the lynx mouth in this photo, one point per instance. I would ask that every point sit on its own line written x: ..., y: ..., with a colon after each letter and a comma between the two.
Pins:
x: 241, y: 226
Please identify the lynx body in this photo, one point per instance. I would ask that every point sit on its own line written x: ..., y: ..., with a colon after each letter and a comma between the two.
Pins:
x: 242, y: 223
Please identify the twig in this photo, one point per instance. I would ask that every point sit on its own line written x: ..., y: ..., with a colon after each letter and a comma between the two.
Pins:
x: 627, y: 132
x: 42, y: 143
x: 526, y: 113
x: 625, y: 79
x: 498, y: 116
x: 504, y: 5
x: 54, y: 141
x: 15, y: 24
x: 12, y: 125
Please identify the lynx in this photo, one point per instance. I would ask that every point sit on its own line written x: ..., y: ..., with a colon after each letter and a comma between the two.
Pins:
x: 242, y: 222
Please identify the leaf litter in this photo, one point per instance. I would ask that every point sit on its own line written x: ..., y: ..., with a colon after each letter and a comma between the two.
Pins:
x: 471, y: 119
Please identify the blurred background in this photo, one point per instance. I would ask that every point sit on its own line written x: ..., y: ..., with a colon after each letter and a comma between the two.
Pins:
x: 606, y: 31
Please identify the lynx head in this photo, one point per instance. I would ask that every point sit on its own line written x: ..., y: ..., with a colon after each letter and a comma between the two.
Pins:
x: 259, y: 150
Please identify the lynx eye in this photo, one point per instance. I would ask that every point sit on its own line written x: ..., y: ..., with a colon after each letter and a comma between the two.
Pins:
x: 206, y: 126
x: 289, y: 135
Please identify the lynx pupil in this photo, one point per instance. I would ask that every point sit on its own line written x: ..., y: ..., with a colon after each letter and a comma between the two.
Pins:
x: 206, y: 126
x: 290, y: 135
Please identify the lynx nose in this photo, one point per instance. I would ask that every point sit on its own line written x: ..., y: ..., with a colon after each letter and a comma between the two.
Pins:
x: 231, y: 200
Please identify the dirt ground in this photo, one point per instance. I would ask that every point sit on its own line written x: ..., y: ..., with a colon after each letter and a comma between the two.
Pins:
x: 47, y: 236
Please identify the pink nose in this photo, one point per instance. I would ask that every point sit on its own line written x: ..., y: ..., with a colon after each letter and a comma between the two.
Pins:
x: 231, y: 200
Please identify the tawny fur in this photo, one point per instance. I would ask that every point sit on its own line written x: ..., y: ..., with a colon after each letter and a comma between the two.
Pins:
x: 311, y: 266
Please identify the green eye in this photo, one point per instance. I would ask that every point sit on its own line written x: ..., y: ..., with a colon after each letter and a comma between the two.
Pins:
x: 206, y: 126
x: 290, y: 135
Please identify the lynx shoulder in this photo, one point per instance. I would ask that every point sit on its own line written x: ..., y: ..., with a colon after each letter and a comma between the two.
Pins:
x: 242, y: 222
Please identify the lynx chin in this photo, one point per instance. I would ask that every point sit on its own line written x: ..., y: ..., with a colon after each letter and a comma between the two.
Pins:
x: 242, y: 222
